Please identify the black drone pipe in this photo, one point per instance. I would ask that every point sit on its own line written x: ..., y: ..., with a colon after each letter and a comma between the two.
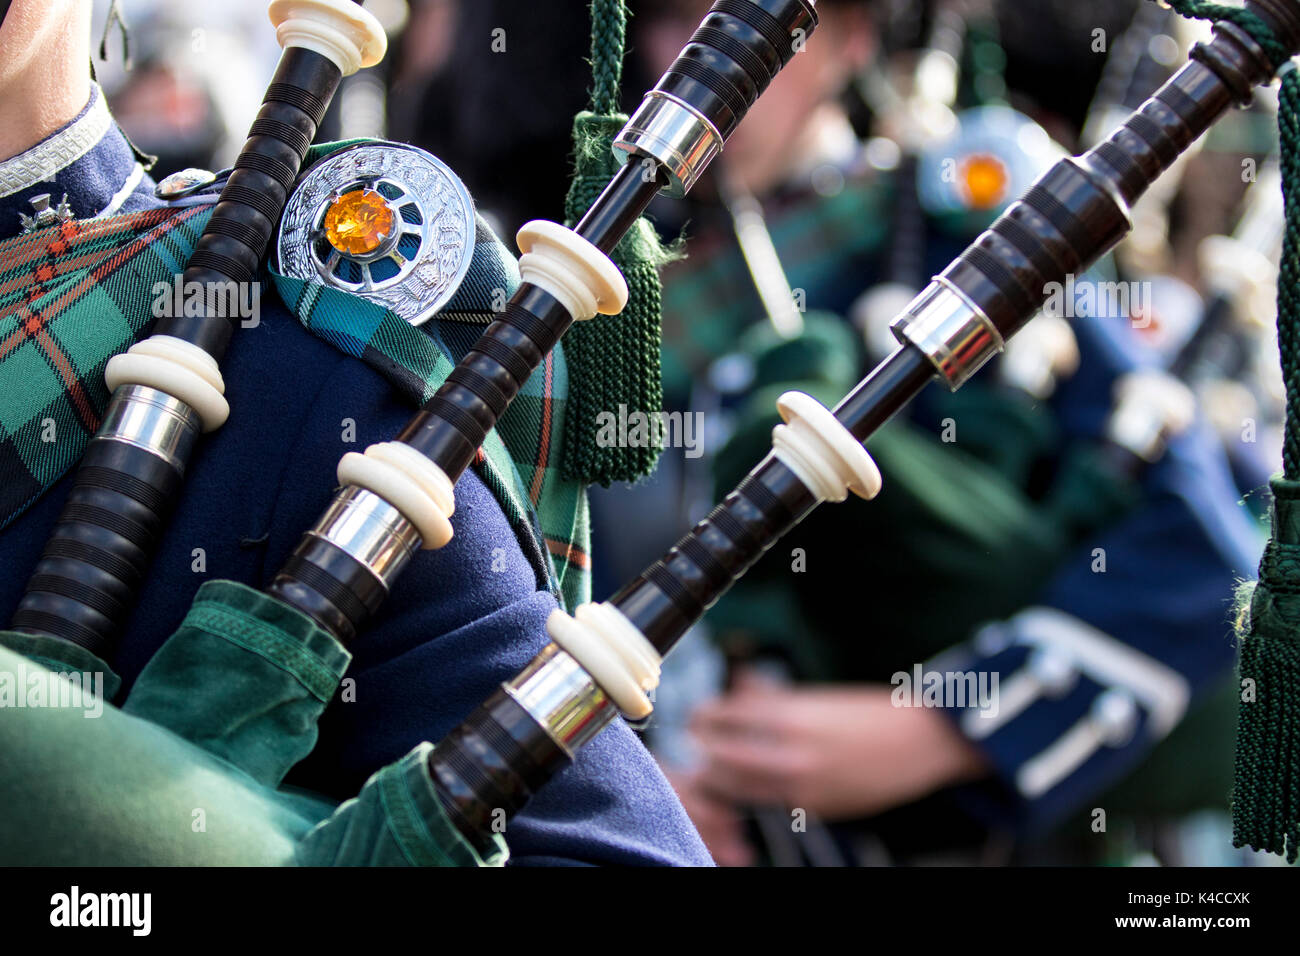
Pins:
x: 168, y: 388
x: 398, y: 495
x: 606, y: 656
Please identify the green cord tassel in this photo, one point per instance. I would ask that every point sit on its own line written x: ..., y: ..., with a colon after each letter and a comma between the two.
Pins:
x: 613, y: 360
x: 1266, y: 787
x: 1266, y: 778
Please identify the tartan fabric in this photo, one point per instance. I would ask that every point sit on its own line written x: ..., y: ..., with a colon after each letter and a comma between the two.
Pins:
x: 519, y: 461
x: 531, y: 428
x: 71, y: 297
x: 816, y: 235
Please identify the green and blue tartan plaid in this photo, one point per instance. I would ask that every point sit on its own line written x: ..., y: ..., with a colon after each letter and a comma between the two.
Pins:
x: 73, y: 296
x: 815, y: 235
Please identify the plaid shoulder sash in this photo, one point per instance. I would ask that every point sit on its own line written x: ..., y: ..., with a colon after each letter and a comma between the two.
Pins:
x: 71, y: 297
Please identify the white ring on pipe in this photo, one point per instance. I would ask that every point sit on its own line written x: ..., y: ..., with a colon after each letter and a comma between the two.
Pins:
x: 570, y: 268
x: 179, y: 368
x: 409, y: 482
x: 642, y: 659
x: 343, y: 31
x: 821, y: 451
x: 610, y: 648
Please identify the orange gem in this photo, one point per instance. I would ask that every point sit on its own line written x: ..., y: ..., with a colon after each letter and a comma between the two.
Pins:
x: 985, y: 180
x: 358, y: 222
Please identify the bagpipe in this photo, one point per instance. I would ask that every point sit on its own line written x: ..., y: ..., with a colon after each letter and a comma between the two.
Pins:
x: 398, y: 495
x: 1149, y: 407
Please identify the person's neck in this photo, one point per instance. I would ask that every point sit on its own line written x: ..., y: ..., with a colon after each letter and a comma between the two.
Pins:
x: 46, y: 81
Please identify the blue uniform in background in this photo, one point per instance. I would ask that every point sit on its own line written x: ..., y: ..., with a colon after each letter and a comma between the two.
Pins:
x: 1153, y: 629
x: 1102, y: 650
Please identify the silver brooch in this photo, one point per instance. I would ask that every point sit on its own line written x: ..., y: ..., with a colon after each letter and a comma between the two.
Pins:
x: 390, y: 223
x: 44, y: 215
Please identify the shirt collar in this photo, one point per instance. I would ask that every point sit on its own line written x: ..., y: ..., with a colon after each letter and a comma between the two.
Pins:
x: 89, y: 160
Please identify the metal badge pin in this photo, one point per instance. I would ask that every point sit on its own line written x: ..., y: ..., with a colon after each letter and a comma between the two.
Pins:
x: 388, y: 222
x: 45, y: 216
x: 184, y: 183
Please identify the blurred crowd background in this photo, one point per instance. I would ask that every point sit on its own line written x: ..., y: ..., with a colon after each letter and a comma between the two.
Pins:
x: 1073, y: 522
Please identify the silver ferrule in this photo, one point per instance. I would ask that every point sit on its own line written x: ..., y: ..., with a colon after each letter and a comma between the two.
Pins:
x: 562, y: 698
x: 155, y: 421
x: 951, y: 330
x: 370, y: 530
x: 679, y: 136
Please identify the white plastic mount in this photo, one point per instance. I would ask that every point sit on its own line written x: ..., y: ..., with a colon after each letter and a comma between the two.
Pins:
x: 822, y: 452
x: 179, y: 368
x: 341, y: 30
x: 409, y: 482
x: 570, y: 268
x: 610, y: 648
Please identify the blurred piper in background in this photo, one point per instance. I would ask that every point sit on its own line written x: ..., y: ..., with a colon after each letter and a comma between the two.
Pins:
x: 1064, y: 532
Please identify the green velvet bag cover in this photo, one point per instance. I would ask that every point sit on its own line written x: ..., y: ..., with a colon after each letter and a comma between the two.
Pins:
x: 245, y: 677
x: 189, y: 770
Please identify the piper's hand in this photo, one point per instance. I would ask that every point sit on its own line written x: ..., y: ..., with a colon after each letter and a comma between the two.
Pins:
x: 719, y: 824
x: 838, y: 751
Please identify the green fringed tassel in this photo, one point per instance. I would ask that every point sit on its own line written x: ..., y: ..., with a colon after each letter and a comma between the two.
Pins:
x: 1266, y: 787
x: 613, y: 360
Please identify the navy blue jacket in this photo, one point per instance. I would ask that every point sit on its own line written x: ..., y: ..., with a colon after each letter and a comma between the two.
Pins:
x: 1154, y: 626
